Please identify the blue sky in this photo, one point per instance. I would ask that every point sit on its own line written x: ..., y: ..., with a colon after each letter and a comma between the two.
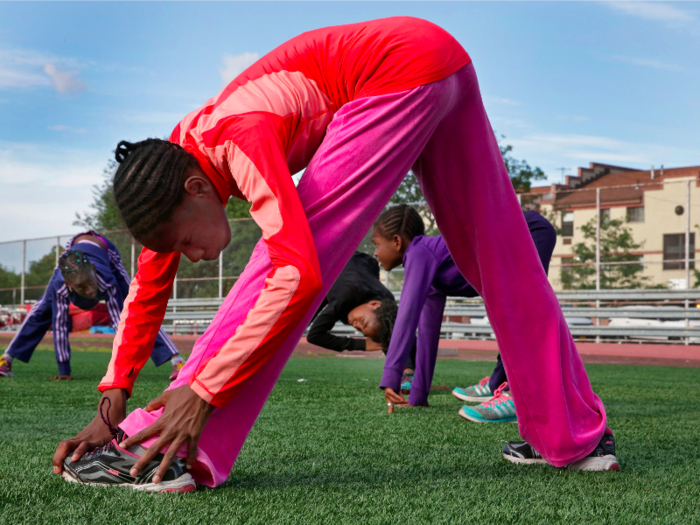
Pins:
x: 567, y: 83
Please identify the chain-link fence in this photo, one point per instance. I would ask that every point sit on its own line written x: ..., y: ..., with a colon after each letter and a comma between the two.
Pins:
x: 26, y: 265
x: 631, y: 236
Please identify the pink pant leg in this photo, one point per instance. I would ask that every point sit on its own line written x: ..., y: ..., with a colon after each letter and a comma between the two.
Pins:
x: 467, y: 186
x: 369, y: 147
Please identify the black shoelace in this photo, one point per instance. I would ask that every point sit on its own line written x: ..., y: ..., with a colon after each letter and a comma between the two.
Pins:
x: 112, y: 430
x: 105, y: 419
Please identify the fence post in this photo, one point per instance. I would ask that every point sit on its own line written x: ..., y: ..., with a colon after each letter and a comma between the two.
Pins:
x: 687, y: 251
x: 133, y: 258
x: 24, y: 264
x: 175, y: 292
x: 597, y: 255
x: 221, y: 274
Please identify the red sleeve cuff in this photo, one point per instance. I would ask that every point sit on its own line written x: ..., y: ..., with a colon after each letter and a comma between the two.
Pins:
x: 125, y: 383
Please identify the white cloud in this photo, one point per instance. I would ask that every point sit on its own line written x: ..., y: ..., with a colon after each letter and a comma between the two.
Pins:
x: 651, y: 63
x: 21, y: 79
x: 557, y: 150
x: 63, y: 81
x: 25, y: 68
x: 660, y: 11
x: 61, y: 127
x: 44, y: 186
x: 234, y: 65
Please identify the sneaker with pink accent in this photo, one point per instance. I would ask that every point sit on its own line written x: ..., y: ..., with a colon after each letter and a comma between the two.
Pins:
x: 602, y: 459
x: 176, y: 370
x: 111, y: 465
x: 475, y: 393
x: 499, y: 409
x: 5, y: 368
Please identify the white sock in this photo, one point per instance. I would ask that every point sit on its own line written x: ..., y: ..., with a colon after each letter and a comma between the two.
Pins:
x: 7, y: 357
x: 177, y: 359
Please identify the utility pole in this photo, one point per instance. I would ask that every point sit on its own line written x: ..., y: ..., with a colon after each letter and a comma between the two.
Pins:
x: 562, y: 173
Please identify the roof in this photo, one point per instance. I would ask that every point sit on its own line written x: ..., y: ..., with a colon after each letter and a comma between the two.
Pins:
x: 635, y: 182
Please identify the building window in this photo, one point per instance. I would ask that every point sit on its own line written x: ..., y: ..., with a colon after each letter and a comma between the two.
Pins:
x: 674, y: 251
x: 605, y: 215
x: 635, y: 214
x: 567, y: 224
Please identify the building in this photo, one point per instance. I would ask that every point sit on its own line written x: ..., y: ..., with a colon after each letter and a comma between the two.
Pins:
x: 652, y: 203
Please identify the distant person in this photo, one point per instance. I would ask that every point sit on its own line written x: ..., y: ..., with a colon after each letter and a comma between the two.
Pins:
x: 354, y: 299
x: 430, y: 277
x: 89, y: 271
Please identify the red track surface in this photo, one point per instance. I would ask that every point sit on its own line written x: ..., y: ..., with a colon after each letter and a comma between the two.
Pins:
x: 603, y: 353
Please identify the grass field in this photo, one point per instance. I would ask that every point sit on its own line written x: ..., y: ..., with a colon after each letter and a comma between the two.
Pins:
x: 325, y: 451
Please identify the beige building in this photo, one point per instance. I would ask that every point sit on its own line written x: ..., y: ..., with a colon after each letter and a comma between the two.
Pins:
x: 652, y: 203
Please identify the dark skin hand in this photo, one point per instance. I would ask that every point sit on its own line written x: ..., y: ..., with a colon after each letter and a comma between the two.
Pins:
x: 394, y: 399
x: 95, y: 434
x: 182, y: 422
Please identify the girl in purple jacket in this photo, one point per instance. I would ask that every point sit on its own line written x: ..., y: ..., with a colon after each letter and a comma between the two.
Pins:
x: 430, y: 277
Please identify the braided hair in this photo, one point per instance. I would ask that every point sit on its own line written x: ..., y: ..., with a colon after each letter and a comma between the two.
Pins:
x: 149, y: 183
x: 74, y: 263
x: 400, y: 220
x: 386, y: 318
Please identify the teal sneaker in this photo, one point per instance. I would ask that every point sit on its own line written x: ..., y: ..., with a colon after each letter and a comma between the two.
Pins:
x: 499, y: 409
x: 476, y: 393
x: 406, y: 382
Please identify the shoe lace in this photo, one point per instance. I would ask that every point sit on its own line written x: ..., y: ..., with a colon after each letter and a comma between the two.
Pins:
x: 484, y: 381
x: 498, y: 397
x: 105, y: 419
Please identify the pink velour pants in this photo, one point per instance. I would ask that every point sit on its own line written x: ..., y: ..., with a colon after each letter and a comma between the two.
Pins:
x: 441, y: 131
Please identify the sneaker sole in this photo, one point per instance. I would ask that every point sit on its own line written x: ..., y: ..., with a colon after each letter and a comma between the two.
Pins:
x: 597, y: 464
x: 7, y: 375
x: 471, y: 399
x: 591, y: 464
x: 464, y: 415
x: 184, y: 483
x: 524, y: 461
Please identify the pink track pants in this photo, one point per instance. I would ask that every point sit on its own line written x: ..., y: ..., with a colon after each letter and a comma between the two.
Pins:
x: 441, y: 131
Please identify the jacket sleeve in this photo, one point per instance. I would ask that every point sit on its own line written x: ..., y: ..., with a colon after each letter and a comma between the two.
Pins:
x: 319, y: 333
x: 254, y: 155
x: 141, y: 318
x: 420, y: 267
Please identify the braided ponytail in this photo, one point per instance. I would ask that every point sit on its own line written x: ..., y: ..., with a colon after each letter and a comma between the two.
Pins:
x: 149, y: 183
x: 400, y: 220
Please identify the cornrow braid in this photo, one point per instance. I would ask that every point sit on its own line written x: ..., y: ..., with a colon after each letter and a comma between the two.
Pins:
x: 149, y: 183
x: 400, y: 220
x: 73, y: 262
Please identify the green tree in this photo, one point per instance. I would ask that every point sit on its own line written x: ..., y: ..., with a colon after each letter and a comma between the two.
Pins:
x: 521, y: 173
x: 8, y: 279
x: 616, y: 245
x: 105, y: 214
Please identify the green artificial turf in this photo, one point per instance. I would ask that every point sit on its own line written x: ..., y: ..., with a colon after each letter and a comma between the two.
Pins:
x: 326, y: 451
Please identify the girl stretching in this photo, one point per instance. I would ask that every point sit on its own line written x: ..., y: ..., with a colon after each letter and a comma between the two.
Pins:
x: 359, y: 105
x: 89, y: 271
x: 430, y: 276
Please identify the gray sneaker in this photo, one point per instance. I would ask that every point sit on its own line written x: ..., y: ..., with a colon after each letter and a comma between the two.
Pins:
x: 111, y: 464
x: 476, y: 393
x: 601, y: 459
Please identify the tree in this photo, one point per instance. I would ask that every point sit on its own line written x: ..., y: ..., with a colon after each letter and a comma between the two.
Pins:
x: 105, y: 215
x: 8, y: 279
x: 521, y: 173
x: 616, y: 245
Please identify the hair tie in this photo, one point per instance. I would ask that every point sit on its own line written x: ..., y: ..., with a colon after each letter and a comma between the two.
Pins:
x: 123, y: 150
